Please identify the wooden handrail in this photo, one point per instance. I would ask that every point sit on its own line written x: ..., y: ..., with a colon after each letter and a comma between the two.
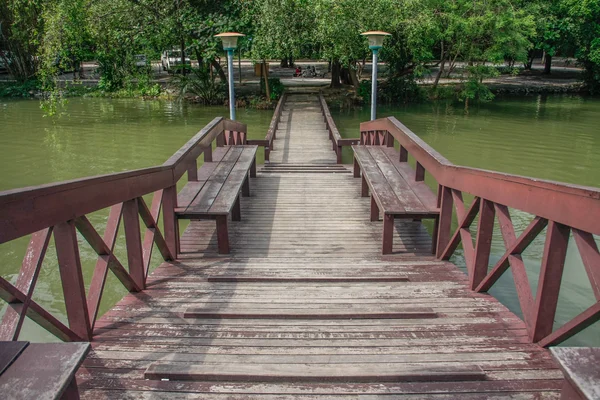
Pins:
x: 334, y: 135
x: 564, y: 209
x: 60, y: 209
x: 27, y: 210
x: 572, y: 205
x: 271, y: 135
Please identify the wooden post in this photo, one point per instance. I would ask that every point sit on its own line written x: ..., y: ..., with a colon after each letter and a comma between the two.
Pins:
x: 445, y: 220
x: 71, y: 276
x: 403, y: 154
x: 192, y: 171
x: 222, y: 234
x: 553, y: 262
x: 171, y: 225
x: 483, y: 244
x: 339, y: 155
x: 374, y: 210
x: 133, y: 239
x: 419, y: 173
x: 388, y: 234
x: 364, y: 187
x: 356, y: 169
x: 208, y: 154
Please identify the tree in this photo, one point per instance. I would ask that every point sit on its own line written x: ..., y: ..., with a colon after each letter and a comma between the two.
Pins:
x: 584, y: 25
x: 21, y: 30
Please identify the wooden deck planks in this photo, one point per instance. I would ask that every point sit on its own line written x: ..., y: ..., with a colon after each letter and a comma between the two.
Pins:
x: 306, y: 246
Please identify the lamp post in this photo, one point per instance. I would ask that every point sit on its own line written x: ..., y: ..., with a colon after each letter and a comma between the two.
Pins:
x: 229, y: 44
x: 375, y: 43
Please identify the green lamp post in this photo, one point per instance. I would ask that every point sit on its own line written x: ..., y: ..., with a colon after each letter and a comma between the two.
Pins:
x: 375, y: 43
x: 229, y: 45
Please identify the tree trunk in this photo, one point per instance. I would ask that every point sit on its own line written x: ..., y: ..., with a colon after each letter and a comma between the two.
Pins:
x: 183, y: 71
x: 200, y: 59
x: 530, y: 57
x: 219, y: 69
x: 284, y: 63
x: 548, y: 64
x: 441, y: 70
x: 266, y: 75
x: 291, y: 61
x: 353, y: 77
x: 335, y: 74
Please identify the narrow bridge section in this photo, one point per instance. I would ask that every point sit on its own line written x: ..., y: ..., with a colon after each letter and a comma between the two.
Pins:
x: 306, y: 305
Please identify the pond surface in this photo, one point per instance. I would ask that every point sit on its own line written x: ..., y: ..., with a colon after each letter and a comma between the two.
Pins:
x: 549, y: 137
x: 554, y: 137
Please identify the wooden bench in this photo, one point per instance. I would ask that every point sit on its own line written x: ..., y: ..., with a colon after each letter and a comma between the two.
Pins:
x: 581, y: 369
x: 395, y: 189
x: 40, y: 371
x: 216, y: 192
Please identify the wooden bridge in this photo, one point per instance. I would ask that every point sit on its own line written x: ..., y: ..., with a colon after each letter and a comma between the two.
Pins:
x: 302, y: 302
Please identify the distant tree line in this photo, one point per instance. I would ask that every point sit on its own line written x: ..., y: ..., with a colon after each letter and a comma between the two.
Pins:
x: 39, y: 38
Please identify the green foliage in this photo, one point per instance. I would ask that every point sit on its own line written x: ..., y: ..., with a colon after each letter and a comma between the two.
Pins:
x: 275, y: 87
x: 19, y: 89
x: 201, y: 84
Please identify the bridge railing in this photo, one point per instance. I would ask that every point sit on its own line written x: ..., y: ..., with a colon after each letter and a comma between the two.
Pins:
x: 271, y: 135
x: 337, y: 142
x: 60, y: 209
x: 563, y: 209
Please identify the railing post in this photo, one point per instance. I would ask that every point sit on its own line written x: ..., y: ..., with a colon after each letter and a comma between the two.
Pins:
x: 208, y: 154
x: 419, y: 173
x: 133, y: 240
x: 445, y: 220
x: 483, y: 244
x: 339, y: 154
x: 71, y: 276
x: 171, y: 225
x: 403, y: 154
x: 192, y: 171
x: 389, y: 139
x: 553, y: 262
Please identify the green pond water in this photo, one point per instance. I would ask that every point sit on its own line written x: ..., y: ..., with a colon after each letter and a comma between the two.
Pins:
x: 555, y: 137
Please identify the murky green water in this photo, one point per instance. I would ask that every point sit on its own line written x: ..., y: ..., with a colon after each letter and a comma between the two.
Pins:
x: 553, y: 137
x: 97, y: 136
x: 550, y: 137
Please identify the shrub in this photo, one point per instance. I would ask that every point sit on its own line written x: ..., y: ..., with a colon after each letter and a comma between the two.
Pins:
x: 199, y: 83
x: 275, y: 86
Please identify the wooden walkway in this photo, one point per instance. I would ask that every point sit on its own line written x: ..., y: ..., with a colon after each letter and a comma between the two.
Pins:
x: 305, y: 305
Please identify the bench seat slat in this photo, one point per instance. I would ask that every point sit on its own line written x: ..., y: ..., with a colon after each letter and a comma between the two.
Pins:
x: 191, y: 189
x: 231, y: 188
x: 381, y: 189
x: 206, y: 197
x: 421, y: 189
x: 401, y: 188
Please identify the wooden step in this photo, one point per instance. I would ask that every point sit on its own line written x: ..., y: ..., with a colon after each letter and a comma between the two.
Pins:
x: 321, y: 373
x: 310, y: 314
x: 306, y: 279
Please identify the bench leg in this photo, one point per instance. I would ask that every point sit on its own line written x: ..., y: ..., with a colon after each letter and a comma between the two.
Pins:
x: 356, y: 169
x: 222, y: 234
x: 236, y: 213
x: 374, y: 210
x: 364, y: 190
x: 246, y: 187
x: 253, y: 169
x: 388, y: 234
x: 436, y: 223
x: 71, y: 392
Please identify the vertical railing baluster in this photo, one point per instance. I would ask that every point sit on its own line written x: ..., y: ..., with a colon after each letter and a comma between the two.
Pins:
x: 419, y: 173
x: 445, y: 220
x: 133, y: 240
x: 192, y: 171
x: 171, y: 225
x: 71, y: 276
x: 553, y: 262
x: 483, y: 243
x: 403, y: 154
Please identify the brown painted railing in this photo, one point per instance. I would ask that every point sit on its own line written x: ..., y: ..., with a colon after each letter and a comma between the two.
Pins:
x: 60, y: 209
x: 267, y: 142
x: 563, y: 208
x: 337, y: 142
